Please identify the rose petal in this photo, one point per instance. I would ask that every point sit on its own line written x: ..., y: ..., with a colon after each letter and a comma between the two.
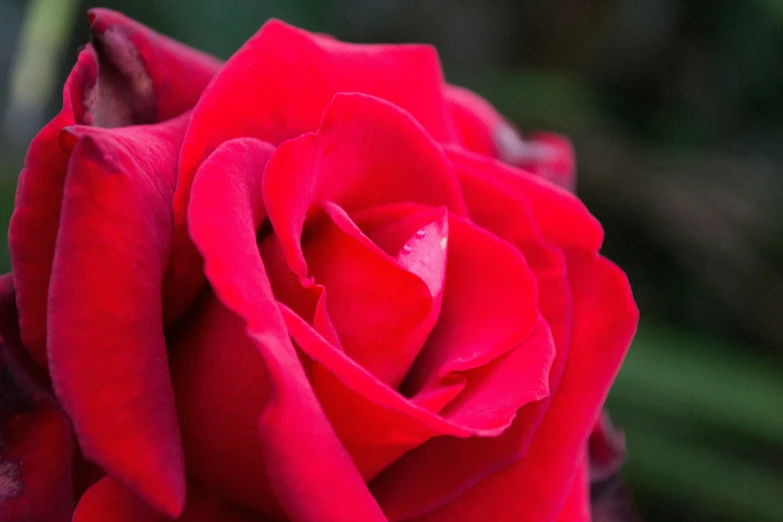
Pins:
x: 475, y: 118
x: 606, y: 449
x: 140, y: 75
x: 35, y: 460
x: 367, y: 152
x: 562, y: 218
x: 106, y: 347
x: 536, y: 487
x: 221, y: 385
x: 109, y: 501
x: 294, y: 76
x: 382, y: 311
x: 577, y: 503
x: 36, y: 442
x: 163, y: 76
x: 293, y: 430
x: 391, y: 424
x: 490, y: 307
x: 37, y: 208
x: 302, y: 294
x: 383, y: 314
x: 375, y: 423
x: 220, y: 379
x: 429, y: 474
x: 154, y: 78
x: 483, y: 130
x: 556, y: 161
x: 422, y: 252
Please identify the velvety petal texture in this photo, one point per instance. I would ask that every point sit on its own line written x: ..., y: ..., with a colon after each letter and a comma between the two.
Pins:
x: 314, y: 283
x: 295, y: 76
x: 37, y: 207
x: 109, y: 501
x: 144, y: 71
x: 577, y: 504
x: 537, y: 486
x: 367, y: 152
x: 128, y: 75
x: 292, y: 428
x: 106, y: 348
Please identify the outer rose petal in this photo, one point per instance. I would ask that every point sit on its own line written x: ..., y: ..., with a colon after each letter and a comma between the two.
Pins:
x: 562, y: 218
x: 392, y: 424
x: 294, y: 77
x: 106, y: 347
x: 536, y: 487
x: 35, y: 221
x: 143, y: 77
x: 485, y: 131
x: 577, y: 504
x: 36, y: 442
x: 429, y: 475
x: 222, y: 386
x: 606, y: 448
x: 367, y: 152
x: 293, y: 430
x: 110, y: 501
x: 476, y: 120
x: 35, y: 463
x: 556, y: 160
x: 173, y: 74
x: 278, y: 84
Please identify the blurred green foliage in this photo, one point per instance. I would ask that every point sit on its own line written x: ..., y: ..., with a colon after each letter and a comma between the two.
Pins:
x: 675, y: 110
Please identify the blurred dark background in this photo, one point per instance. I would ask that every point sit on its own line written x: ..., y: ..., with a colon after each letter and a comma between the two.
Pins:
x: 676, y: 112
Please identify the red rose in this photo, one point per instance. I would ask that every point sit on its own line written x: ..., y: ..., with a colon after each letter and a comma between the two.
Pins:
x: 298, y: 286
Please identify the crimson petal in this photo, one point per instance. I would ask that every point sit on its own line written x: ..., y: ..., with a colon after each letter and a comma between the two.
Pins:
x: 36, y: 442
x: 367, y: 152
x: 562, y: 218
x: 483, y: 130
x: 577, y: 503
x: 536, y: 487
x: 139, y: 80
x: 490, y: 307
x: 295, y: 75
x: 35, y: 459
x: 429, y: 475
x: 37, y: 208
x: 475, y: 118
x: 392, y: 424
x: 109, y: 501
x: 382, y: 311
x: 396, y: 310
x: 222, y: 387
x: 106, y: 347
x: 170, y: 75
x: 293, y: 430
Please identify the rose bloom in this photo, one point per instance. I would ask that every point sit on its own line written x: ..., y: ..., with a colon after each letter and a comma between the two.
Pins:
x: 313, y: 283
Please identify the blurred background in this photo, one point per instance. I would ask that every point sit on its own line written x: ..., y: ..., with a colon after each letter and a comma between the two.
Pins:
x: 676, y: 112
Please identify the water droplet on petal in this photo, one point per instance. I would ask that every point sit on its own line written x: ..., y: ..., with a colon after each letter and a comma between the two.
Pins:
x: 420, y: 233
x: 406, y: 249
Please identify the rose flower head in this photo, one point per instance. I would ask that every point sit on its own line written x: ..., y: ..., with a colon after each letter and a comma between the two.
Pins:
x: 312, y: 283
